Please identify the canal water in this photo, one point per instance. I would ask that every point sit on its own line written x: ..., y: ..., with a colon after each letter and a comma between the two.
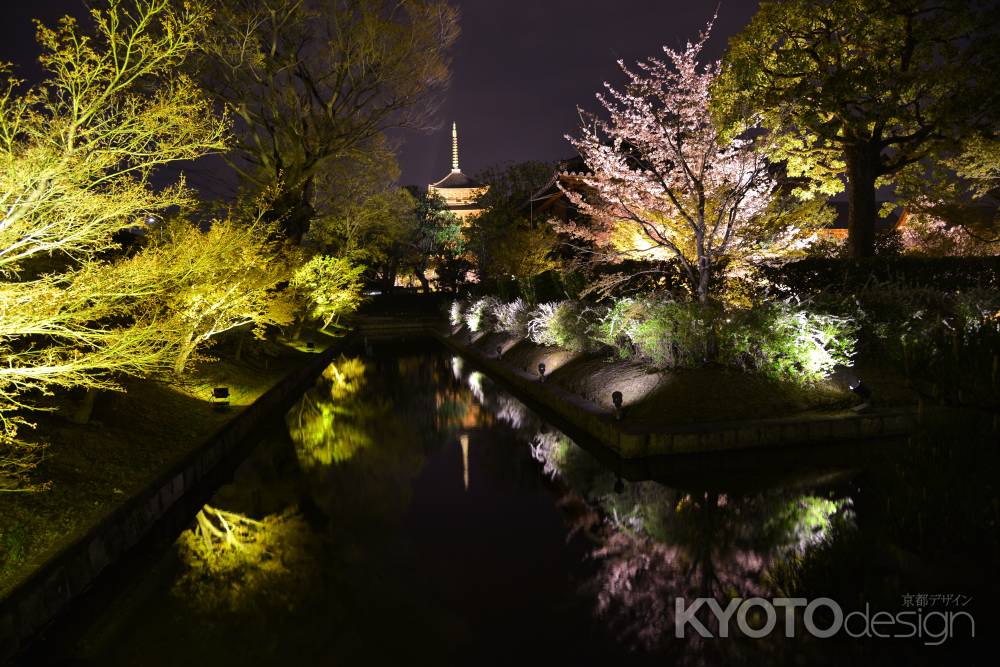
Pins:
x: 409, y: 511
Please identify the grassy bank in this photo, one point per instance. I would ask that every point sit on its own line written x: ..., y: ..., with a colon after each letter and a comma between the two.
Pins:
x: 132, y: 437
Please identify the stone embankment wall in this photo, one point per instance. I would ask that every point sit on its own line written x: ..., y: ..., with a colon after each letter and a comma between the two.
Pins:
x: 631, y: 441
x: 158, y: 513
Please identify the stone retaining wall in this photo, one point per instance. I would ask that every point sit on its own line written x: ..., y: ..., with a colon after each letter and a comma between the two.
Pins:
x: 159, y: 513
x: 631, y: 442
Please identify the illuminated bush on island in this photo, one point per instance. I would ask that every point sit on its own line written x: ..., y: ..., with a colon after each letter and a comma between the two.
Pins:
x: 783, y: 339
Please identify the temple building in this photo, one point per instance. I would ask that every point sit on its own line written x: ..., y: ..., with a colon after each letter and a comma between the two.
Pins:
x: 458, y: 191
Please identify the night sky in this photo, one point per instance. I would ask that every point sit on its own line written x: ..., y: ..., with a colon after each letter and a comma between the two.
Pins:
x: 520, y: 68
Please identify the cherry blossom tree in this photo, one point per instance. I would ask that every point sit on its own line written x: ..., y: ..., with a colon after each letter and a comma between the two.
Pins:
x: 663, y: 184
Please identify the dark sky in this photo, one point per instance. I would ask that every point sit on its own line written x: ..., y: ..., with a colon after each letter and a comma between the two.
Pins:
x: 520, y: 68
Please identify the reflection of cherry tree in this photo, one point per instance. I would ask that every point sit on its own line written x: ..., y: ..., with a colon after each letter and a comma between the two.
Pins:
x: 657, y: 544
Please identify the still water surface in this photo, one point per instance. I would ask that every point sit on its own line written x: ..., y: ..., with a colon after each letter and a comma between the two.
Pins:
x: 408, y: 511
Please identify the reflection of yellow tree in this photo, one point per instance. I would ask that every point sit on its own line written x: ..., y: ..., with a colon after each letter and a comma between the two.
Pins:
x: 332, y: 421
x: 234, y: 561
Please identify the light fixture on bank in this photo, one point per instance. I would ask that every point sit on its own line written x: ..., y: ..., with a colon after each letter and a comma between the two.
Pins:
x: 220, y: 398
x: 541, y: 372
x: 863, y: 392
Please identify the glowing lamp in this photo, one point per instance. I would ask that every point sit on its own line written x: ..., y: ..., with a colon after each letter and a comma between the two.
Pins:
x: 541, y: 372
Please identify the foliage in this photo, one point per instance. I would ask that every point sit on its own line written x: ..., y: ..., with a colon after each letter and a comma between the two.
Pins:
x: 456, y: 313
x: 512, y: 317
x: 480, y: 313
x: 77, y: 156
x: 786, y: 341
x: 329, y: 286
x: 505, y: 244
x: 939, y: 335
x: 815, y: 276
x: 361, y: 213
x: 310, y: 82
x: 780, y: 339
x: 664, y: 185
x: 438, y: 243
x: 667, y: 333
x: 216, y: 280
x: 859, y: 89
x: 927, y: 235
x: 564, y: 324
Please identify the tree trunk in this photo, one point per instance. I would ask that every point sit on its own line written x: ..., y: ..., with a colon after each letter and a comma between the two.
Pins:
x: 862, y: 170
x: 239, y: 346
x: 295, y: 211
x: 704, y: 275
x: 424, y: 283
x: 85, y: 410
x: 183, y: 356
x: 711, y: 335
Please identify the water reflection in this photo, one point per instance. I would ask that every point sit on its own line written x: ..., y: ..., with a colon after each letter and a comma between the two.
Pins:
x: 232, y: 562
x: 654, y: 542
x: 415, y: 501
x: 332, y: 421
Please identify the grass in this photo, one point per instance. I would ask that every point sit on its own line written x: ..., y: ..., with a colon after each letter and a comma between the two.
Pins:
x: 132, y: 437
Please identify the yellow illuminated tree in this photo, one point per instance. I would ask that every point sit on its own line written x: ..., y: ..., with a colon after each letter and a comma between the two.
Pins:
x: 77, y: 155
x: 216, y: 280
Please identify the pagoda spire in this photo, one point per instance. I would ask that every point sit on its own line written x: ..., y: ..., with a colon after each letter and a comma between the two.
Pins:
x: 454, y: 147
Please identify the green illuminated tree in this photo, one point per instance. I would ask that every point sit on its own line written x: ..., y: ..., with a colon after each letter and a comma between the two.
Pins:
x: 329, y: 287
x: 438, y: 242
x: 860, y: 89
x: 77, y: 155
x: 216, y: 280
x: 361, y: 211
x: 505, y: 244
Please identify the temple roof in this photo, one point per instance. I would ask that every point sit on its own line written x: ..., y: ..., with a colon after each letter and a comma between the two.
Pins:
x: 456, y: 179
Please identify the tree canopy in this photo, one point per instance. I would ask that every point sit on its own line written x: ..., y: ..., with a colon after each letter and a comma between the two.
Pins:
x: 310, y: 81
x: 858, y: 90
x: 665, y: 185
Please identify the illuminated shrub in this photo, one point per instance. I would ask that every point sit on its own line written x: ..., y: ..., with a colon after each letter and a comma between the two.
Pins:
x: 456, y: 313
x: 667, y: 333
x: 780, y: 340
x: 512, y: 318
x: 565, y: 324
x: 479, y: 316
x: 787, y: 341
